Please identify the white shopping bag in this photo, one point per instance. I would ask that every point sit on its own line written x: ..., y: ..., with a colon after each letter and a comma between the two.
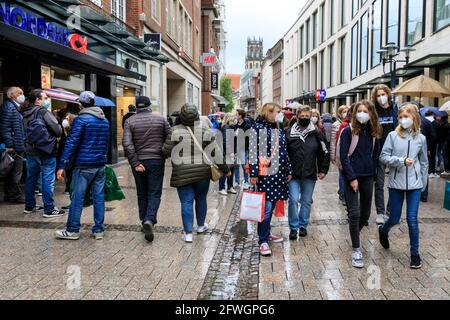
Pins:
x: 253, y: 206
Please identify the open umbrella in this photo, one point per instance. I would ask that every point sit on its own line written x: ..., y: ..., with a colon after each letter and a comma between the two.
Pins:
x: 445, y: 107
x: 422, y: 86
x: 61, y: 95
x: 425, y: 110
x: 103, y: 102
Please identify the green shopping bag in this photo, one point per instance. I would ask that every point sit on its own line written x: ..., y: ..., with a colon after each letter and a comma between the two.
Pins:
x: 447, y: 196
x: 113, y: 192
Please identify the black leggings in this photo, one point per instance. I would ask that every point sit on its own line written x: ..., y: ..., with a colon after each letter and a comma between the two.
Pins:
x: 358, y: 206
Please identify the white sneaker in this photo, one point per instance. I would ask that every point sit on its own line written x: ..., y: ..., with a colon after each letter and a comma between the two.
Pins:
x: 445, y: 174
x: 202, y: 229
x: 357, y: 260
x: 223, y: 192
x: 380, y: 219
x: 432, y: 176
x: 65, y: 235
x: 236, y: 185
x: 245, y: 186
x: 187, y: 237
x: 232, y: 191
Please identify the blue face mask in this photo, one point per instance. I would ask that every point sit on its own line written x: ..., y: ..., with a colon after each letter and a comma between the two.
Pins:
x: 46, y: 104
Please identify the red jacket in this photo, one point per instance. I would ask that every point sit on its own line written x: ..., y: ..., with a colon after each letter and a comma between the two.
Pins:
x: 344, y: 125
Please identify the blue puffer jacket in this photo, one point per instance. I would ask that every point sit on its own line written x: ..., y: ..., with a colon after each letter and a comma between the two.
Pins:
x: 11, y: 127
x: 87, y: 144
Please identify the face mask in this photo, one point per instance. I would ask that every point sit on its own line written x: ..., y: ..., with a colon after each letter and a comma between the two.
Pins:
x: 406, y: 123
x: 46, y: 104
x: 20, y: 99
x: 304, y: 122
x: 65, y: 124
x: 382, y: 100
x: 362, y: 117
x: 430, y: 118
x: 314, y: 120
x: 280, y: 118
x: 344, y: 115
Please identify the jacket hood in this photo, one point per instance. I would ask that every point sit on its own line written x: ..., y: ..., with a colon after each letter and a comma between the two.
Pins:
x: 29, y: 110
x: 189, y: 115
x: 94, y: 111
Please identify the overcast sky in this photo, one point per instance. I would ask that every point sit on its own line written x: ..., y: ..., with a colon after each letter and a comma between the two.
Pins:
x: 267, y: 19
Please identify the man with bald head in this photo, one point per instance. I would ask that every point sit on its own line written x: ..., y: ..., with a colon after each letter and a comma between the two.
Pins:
x: 12, y: 135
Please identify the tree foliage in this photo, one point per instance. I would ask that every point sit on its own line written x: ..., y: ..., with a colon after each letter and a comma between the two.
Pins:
x: 227, y: 92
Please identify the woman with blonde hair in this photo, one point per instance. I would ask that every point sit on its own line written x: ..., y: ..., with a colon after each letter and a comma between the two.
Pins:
x: 405, y: 153
x: 270, y: 170
x: 358, y: 153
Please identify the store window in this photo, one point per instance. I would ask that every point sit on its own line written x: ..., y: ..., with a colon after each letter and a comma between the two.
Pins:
x: 441, y: 14
x: 416, y: 18
x: 444, y: 77
x: 190, y: 93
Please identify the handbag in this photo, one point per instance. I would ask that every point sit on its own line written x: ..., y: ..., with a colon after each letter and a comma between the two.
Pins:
x: 253, y: 206
x: 279, y: 210
x: 264, y: 162
x: 6, y: 164
x: 216, y: 173
x: 447, y: 196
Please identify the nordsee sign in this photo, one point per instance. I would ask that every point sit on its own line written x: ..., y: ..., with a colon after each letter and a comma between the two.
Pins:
x: 26, y: 21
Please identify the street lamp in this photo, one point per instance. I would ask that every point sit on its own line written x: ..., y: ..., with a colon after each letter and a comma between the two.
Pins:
x: 388, y: 54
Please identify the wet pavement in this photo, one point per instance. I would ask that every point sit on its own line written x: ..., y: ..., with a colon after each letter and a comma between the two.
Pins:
x: 224, y: 263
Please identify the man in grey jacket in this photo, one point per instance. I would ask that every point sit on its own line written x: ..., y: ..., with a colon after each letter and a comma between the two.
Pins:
x: 143, y: 138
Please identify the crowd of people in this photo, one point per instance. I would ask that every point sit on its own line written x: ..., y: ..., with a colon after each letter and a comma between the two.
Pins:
x: 281, y: 153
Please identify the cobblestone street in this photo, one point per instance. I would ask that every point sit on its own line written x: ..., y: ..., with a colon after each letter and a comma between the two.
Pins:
x: 224, y: 263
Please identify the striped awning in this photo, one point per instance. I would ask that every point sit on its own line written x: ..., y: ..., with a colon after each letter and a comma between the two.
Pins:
x: 61, y: 95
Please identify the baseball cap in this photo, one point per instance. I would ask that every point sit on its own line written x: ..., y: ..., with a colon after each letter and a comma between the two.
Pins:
x: 87, y: 97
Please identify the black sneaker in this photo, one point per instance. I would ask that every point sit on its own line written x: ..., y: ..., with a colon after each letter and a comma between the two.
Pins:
x: 293, y: 235
x: 34, y: 210
x: 303, y: 233
x: 384, y: 238
x: 148, y: 230
x: 416, y: 262
x: 54, y: 214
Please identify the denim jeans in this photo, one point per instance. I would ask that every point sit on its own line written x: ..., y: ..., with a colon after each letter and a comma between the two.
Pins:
x: 358, y: 206
x: 227, y: 180
x: 379, y: 188
x: 35, y: 166
x: 341, y: 190
x: 300, y: 201
x: 82, y: 180
x: 149, y: 186
x: 412, y: 211
x: 264, y: 227
x: 237, y: 172
x: 195, y: 192
x: 424, y: 193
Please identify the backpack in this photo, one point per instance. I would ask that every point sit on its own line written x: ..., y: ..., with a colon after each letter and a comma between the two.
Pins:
x: 353, y: 145
x: 38, y: 136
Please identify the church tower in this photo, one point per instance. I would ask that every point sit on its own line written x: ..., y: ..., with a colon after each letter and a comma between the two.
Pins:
x: 254, y: 56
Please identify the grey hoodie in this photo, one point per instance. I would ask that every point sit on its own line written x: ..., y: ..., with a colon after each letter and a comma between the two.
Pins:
x: 95, y: 111
x: 395, y: 151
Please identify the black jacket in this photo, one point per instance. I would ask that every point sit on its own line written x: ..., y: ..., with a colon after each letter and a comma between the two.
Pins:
x: 308, y: 157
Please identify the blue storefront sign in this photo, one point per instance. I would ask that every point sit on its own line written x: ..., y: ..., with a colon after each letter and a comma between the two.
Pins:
x: 321, y: 95
x: 27, y: 21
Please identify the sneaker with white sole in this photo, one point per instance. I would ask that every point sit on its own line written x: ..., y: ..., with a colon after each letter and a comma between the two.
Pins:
x: 98, y: 235
x: 66, y: 235
x: 232, y: 191
x: 223, y: 192
x: 276, y: 239
x: 187, y: 237
x: 264, y: 250
x: 34, y: 210
x: 380, y: 219
x: 202, y: 229
x: 54, y: 214
x: 357, y: 260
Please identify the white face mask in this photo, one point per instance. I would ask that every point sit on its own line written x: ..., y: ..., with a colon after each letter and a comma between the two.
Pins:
x: 430, y: 118
x: 344, y: 115
x: 314, y: 120
x: 362, y: 117
x: 279, y: 118
x: 20, y: 99
x: 382, y: 100
x: 406, y: 123
x: 65, y: 123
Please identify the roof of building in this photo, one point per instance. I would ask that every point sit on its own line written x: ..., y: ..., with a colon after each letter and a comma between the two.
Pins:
x: 235, y: 81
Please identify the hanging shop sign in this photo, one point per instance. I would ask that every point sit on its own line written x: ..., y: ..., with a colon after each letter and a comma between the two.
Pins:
x: 153, y: 40
x: 321, y: 95
x: 46, y: 77
x: 209, y: 59
x: 214, y: 80
x: 28, y: 22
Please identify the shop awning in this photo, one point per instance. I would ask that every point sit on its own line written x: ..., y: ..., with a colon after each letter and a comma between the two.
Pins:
x: 431, y: 60
x: 61, y: 95
x: 221, y: 100
x: 27, y: 41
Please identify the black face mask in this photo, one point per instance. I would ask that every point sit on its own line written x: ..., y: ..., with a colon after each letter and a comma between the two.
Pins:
x: 304, y: 122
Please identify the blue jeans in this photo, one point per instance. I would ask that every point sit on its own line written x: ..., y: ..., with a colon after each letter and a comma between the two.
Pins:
x: 264, y: 227
x: 149, y: 186
x: 228, y: 180
x: 300, y: 194
x: 341, y: 190
x: 38, y: 166
x: 412, y: 210
x: 237, y: 172
x: 198, y: 193
x: 82, y: 180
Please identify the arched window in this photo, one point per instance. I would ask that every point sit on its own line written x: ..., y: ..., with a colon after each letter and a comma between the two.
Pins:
x: 251, y: 65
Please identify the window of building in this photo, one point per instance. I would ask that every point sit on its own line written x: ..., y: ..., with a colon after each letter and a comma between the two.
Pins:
x: 415, y: 28
x: 364, y: 55
x: 355, y: 7
x: 322, y: 23
x: 97, y: 2
x: 307, y: 36
x: 302, y: 53
x: 118, y: 9
x: 315, y: 26
x: 156, y: 10
x: 377, y: 24
x: 343, y: 13
x: 190, y: 93
x: 322, y: 64
x: 331, y: 74
x: 354, y: 64
x: 197, y: 46
x: 331, y: 15
x: 343, y: 61
x: 166, y: 8
x: 441, y: 14
x: 393, y: 21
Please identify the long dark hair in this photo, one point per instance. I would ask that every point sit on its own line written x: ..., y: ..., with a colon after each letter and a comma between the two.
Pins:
x: 375, y: 127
